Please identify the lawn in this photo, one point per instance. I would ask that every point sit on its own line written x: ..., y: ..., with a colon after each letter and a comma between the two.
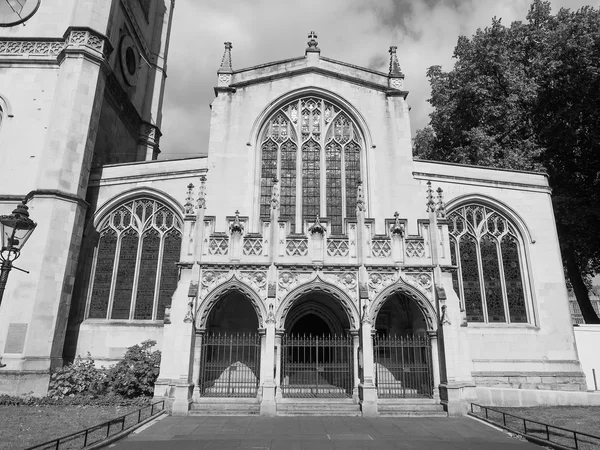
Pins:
x: 24, y: 426
x: 585, y: 419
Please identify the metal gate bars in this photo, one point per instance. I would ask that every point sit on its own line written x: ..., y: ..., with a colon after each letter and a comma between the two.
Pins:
x: 317, y: 367
x: 403, y: 367
x: 230, y: 365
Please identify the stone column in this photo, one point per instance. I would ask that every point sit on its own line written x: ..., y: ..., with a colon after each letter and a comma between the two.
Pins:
x: 367, y: 389
x: 356, y: 344
x: 268, y: 405
x: 196, y: 364
x: 278, y: 345
x: 435, y: 363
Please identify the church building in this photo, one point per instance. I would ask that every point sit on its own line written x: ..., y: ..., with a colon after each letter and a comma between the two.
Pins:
x: 307, y: 264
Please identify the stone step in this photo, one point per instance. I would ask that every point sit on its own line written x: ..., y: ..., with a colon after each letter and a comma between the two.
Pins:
x: 318, y: 407
x: 411, y: 408
x: 225, y: 407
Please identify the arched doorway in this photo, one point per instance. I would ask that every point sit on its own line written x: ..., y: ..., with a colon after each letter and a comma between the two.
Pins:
x: 402, y: 350
x: 230, y: 354
x: 317, y: 349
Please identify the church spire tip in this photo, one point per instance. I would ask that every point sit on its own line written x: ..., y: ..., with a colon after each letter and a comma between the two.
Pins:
x: 394, y: 64
x: 226, y: 61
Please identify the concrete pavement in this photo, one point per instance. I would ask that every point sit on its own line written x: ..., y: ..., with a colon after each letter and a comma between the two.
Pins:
x: 319, y: 433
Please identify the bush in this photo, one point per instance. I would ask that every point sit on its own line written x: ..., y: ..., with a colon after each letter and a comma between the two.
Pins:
x: 137, y: 372
x: 109, y: 399
x: 77, y: 378
x: 134, y: 376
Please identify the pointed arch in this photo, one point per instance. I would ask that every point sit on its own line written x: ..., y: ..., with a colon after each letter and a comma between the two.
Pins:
x: 489, y: 244
x: 317, y: 144
x: 400, y: 287
x: 321, y: 286
x: 233, y: 284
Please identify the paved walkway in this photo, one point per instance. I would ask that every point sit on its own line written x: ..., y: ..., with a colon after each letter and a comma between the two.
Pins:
x: 319, y: 433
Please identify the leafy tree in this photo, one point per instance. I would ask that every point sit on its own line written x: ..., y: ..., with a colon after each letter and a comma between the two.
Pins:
x: 526, y: 97
x: 136, y: 373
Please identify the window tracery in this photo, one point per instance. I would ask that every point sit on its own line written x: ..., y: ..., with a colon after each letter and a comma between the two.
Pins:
x: 486, y: 247
x: 330, y: 148
x: 134, y: 269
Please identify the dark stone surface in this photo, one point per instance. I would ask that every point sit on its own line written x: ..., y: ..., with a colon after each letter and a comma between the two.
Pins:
x: 319, y: 433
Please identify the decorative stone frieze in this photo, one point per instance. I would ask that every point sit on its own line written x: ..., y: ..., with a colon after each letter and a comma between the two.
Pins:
x: 420, y: 280
x: 86, y: 38
x: 379, y: 279
x: 31, y: 48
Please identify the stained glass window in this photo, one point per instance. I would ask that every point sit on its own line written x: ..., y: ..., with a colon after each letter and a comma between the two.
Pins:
x: 268, y: 172
x: 485, y: 246
x: 311, y: 180
x: 133, y: 293
x: 330, y: 155
x: 333, y: 157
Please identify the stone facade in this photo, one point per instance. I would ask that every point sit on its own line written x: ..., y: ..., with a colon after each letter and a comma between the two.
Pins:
x: 308, y: 214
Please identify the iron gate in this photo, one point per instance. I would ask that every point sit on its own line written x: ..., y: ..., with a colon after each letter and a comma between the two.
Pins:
x: 230, y: 365
x: 317, y: 367
x: 403, y: 367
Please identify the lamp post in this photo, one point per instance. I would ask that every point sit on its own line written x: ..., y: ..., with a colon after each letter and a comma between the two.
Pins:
x: 15, y: 229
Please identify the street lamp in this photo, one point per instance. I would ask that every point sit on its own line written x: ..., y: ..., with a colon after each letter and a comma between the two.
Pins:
x: 15, y: 229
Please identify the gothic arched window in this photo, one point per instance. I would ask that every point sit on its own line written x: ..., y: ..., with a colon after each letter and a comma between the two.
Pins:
x: 488, y: 251
x: 134, y: 271
x: 314, y: 149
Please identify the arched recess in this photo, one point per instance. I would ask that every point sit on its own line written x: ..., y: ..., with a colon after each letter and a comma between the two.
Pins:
x: 320, y: 286
x: 424, y: 305
x: 321, y: 311
x: 231, y: 285
x: 330, y: 154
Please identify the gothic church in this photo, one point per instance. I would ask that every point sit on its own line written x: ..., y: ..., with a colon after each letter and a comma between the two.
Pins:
x: 307, y: 263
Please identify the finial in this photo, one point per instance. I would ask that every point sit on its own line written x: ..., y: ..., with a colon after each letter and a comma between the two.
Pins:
x: 236, y: 226
x: 313, y: 45
x: 317, y: 227
x: 394, y: 64
x: 360, y: 197
x: 188, y: 208
x: 440, y: 207
x: 398, y: 227
x: 201, y: 203
x: 226, y: 61
x: 430, y: 201
x: 275, y: 194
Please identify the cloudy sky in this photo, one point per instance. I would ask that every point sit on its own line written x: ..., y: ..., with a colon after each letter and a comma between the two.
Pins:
x: 355, y: 31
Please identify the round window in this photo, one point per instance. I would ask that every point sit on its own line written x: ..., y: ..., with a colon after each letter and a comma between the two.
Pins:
x: 130, y: 60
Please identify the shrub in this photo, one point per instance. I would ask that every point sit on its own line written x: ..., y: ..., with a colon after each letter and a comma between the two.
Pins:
x: 77, y: 378
x: 137, y: 372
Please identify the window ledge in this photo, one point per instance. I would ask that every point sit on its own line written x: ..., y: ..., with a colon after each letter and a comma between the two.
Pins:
x: 512, y: 326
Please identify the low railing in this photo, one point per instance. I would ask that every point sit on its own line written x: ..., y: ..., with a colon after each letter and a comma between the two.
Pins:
x: 542, y: 432
x: 98, y: 433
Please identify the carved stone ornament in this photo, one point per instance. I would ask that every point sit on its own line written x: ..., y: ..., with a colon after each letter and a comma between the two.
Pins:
x: 202, y: 193
x: 256, y: 279
x: 366, y: 319
x: 312, y: 42
x: 430, y: 201
x: 445, y: 320
x: 420, y: 280
x: 347, y: 281
x: 210, y: 279
x: 360, y: 197
x: 167, y: 318
x: 188, y: 207
x: 397, y: 83
x: 189, y: 316
x: 317, y: 227
x: 378, y: 281
x: 270, y: 314
x: 398, y: 228
x: 440, y: 205
x: 236, y: 226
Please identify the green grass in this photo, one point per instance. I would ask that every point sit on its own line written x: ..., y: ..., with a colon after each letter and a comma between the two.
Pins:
x: 24, y: 426
x: 585, y: 419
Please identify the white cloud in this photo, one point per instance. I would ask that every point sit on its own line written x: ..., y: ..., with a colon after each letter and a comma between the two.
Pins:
x: 355, y: 31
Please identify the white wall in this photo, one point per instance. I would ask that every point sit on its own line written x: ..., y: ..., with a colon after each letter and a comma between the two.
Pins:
x: 588, y: 343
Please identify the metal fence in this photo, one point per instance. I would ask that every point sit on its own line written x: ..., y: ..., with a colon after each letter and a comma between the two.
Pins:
x: 230, y: 365
x: 317, y: 367
x: 403, y: 367
x: 539, y: 431
x: 99, y: 433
